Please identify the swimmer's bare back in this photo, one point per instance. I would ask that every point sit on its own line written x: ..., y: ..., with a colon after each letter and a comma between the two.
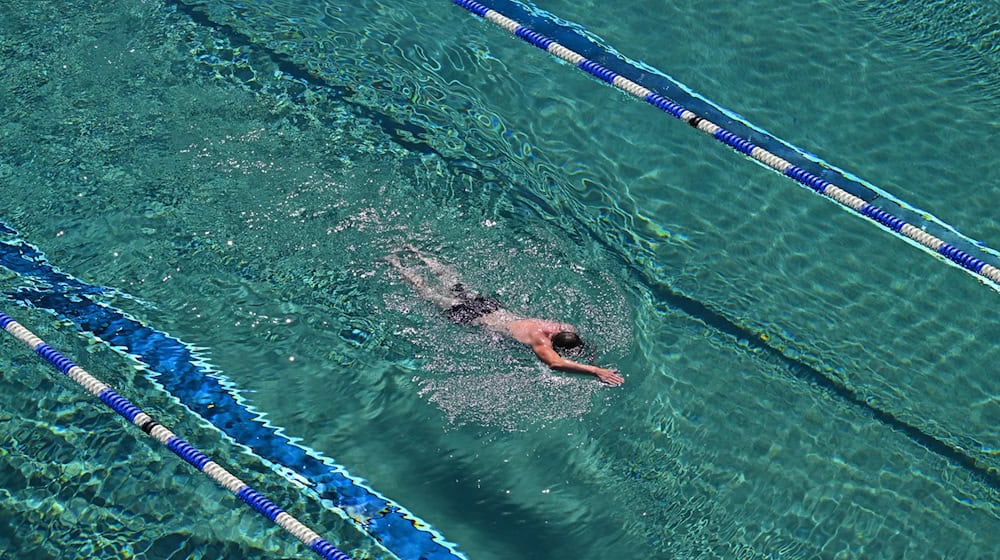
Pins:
x: 538, y: 333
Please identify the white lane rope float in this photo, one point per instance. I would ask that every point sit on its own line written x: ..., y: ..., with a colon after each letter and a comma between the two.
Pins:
x: 846, y: 199
x: 181, y: 448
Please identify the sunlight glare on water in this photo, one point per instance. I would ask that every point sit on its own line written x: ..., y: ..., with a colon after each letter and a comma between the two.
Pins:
x: 236, y: 173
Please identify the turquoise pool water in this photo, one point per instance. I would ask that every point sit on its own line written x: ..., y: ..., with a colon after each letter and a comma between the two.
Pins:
x: 235, y: 171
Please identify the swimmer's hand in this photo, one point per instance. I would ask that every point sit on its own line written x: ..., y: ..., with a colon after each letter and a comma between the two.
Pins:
x: 609, y: 376
x: 543, y: 349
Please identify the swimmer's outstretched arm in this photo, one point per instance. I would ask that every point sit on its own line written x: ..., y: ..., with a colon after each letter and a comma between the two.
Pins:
x: 552, y: 359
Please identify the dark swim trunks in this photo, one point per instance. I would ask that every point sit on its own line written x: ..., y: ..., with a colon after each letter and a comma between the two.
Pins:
x: 470, y: 307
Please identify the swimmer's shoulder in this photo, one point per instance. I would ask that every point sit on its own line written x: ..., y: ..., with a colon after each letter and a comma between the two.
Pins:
x: 527, y: 330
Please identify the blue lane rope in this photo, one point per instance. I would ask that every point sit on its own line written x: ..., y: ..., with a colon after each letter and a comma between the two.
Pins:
x: 181, y: 448
x: 177, y: 367
x: 819, y: 185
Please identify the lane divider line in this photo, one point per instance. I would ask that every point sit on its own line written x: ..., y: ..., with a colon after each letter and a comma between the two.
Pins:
x: 878, y: 215
x: 181, y: 448
x: 182, y: 371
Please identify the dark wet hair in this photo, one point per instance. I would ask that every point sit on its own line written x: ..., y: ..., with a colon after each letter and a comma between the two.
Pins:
x: 566, y: 340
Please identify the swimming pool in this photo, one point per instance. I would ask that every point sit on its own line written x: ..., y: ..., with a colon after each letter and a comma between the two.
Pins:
x: 224, y: 178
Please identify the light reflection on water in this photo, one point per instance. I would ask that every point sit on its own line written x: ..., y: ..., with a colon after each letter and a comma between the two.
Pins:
x: 252, y: 213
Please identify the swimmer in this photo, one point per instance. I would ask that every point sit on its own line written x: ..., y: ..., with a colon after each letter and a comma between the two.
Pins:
x: 465, y: 307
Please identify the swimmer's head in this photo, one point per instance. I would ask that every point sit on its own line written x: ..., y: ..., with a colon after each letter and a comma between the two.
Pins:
x: 564, y: 340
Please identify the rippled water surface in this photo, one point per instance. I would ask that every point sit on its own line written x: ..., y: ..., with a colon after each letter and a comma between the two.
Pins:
x: 799, y: 382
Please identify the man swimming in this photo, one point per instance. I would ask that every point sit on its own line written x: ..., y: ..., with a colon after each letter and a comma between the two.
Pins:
x: 464, y: 307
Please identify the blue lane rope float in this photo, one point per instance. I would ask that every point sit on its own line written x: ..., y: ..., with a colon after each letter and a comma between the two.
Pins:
x: 181, y: 448
x: 178, y: 368
x: 847, y: 199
